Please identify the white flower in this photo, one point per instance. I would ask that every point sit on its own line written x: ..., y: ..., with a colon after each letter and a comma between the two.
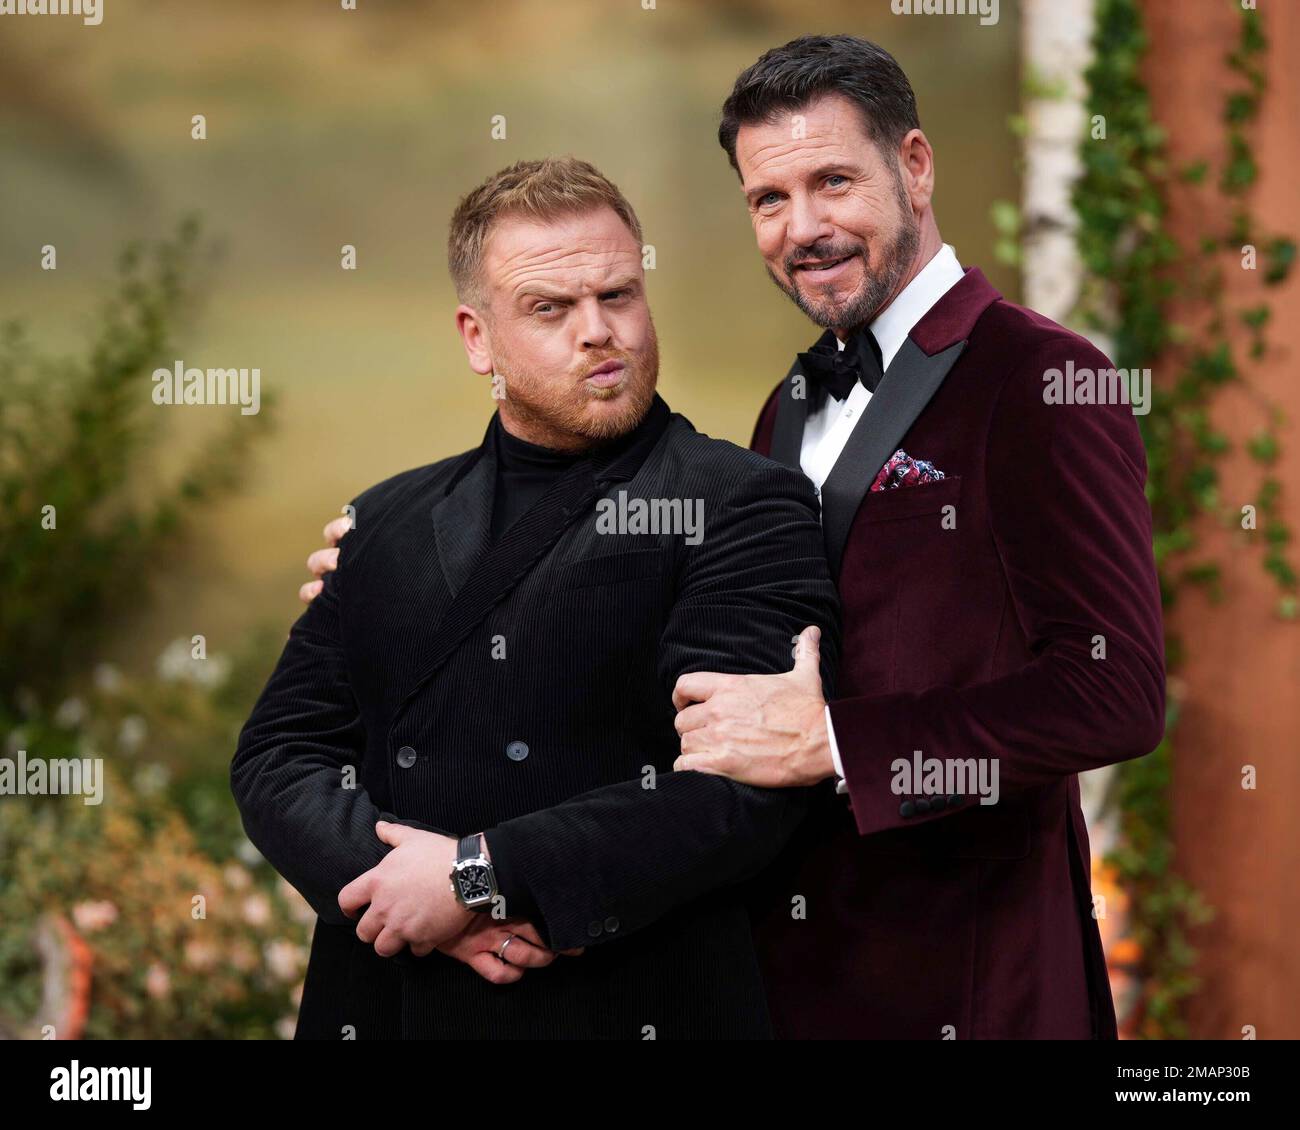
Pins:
x: 177, y: 664
x: 157, y: 982
x: 71, y: 713
x: 108, y: 678
x: 132, y: 733
x: 200, y: 954
x: 152, y: 779
x: 257, y: 909
x: 210, y: 672
x: 284, y: 959
x: 174, y: 662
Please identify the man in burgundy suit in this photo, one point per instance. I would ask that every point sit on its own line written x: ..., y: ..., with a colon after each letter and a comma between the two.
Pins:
x: 1001, y: 616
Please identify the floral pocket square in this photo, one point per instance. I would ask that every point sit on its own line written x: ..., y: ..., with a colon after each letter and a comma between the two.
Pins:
x: 901, y: 470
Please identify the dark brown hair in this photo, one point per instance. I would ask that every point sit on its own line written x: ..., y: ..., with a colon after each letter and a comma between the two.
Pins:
x: 813, y: 66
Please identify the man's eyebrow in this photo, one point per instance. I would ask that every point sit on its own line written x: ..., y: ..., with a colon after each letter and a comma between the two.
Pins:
x: 533, y: 290
x: 621, y: 283
x: 829, y: 169
x: 550, y: 294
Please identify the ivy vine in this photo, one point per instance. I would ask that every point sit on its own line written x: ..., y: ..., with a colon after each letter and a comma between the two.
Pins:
x: 1136, y: 272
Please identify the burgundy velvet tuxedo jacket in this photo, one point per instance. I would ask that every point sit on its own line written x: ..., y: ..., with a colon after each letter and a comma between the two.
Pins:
x: 1025, y: 628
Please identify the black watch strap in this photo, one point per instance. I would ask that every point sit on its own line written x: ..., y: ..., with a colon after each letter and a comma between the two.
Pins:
x: 469, y: 847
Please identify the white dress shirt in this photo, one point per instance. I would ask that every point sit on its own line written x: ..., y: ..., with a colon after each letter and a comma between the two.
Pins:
x: 827, y: 429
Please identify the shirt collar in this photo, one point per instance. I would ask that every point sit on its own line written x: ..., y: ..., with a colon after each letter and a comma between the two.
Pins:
x: 892, y: 325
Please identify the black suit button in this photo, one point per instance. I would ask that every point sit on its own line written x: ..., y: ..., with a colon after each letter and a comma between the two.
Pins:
x: 923, y: 806
x: 593, y: 929
x: 611, y: 925
x: 406, y: 757
x: 517, y: 751
x: 907, y: 810
x: 954, y: 799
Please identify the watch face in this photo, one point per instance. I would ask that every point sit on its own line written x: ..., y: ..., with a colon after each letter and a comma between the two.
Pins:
x: 475, y: 882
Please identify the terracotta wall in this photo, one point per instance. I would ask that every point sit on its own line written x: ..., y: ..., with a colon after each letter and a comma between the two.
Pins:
x: 1242, y: 676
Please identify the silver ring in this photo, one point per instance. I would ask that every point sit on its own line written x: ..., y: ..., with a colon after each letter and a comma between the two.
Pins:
x: 502, y: 955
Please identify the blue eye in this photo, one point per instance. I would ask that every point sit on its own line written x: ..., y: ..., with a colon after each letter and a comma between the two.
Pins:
x: 771, y: 196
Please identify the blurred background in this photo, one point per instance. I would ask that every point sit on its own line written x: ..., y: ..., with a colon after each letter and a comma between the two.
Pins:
x: 138, y: 623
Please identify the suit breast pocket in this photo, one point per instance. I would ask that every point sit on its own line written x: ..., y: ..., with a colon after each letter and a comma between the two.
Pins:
x: 925, y: 500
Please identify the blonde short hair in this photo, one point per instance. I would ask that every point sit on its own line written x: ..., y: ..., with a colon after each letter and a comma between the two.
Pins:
x: 539, y: 190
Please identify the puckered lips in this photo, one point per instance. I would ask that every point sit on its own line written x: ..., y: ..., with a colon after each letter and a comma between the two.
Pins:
x: 606, y: 375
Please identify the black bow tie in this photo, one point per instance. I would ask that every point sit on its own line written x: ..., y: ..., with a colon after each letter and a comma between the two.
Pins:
x: 837, y: 370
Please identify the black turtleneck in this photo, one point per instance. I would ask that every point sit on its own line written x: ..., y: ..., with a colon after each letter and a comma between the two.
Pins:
x: 525, y: 472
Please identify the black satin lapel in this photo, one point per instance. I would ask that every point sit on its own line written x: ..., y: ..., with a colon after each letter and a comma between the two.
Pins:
x: 791, y: 415
x: 462, y: 519
x: 912, y: 379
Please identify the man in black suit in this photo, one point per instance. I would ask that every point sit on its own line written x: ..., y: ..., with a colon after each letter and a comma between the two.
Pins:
x: 466, y: 745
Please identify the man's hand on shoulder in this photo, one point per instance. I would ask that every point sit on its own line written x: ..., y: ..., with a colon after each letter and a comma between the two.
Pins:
x: 324, y: 560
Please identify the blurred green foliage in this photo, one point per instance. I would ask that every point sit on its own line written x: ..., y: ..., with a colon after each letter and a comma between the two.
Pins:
x: 82, y: 525
x: 149, y: 914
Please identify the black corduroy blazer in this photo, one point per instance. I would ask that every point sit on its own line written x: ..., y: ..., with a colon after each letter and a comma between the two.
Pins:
x: 523, y: 688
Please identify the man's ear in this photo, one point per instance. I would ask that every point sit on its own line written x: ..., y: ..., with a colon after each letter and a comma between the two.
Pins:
x: 472, y: 327
x: 917, y: 161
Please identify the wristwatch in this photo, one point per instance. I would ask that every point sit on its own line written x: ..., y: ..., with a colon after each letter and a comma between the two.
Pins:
x: 473, y: 881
